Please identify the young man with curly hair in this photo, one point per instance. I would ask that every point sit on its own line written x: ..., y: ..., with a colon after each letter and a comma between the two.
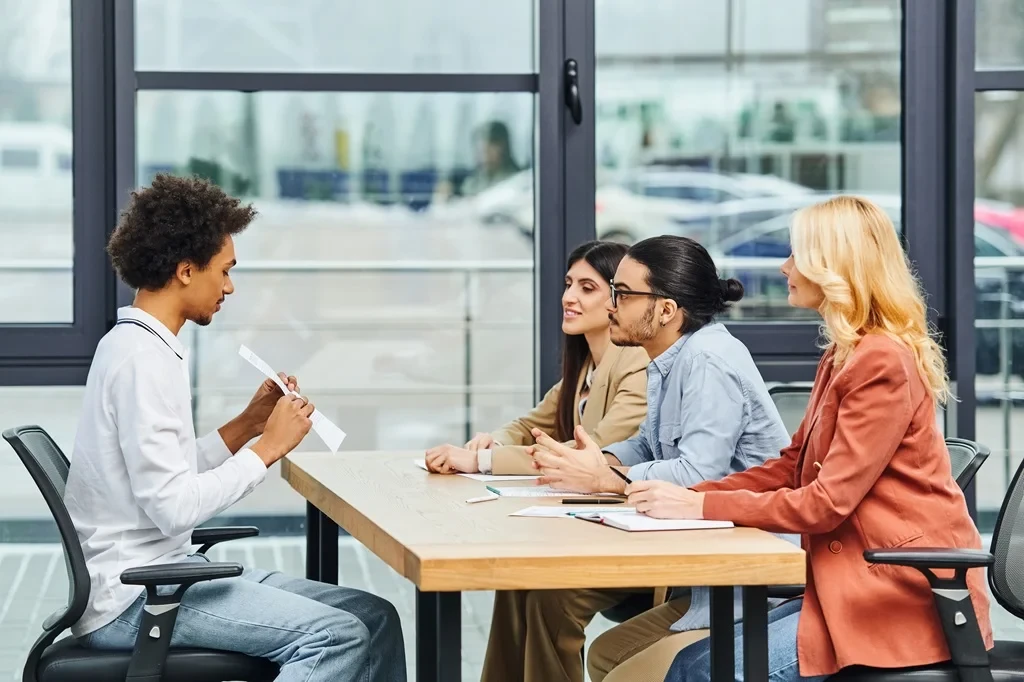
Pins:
x: 141, y: 481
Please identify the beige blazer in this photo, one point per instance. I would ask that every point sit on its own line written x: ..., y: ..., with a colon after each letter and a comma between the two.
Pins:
x: 616, y: 405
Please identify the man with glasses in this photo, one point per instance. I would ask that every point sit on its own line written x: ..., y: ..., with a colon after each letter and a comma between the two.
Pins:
x: 709, y: 414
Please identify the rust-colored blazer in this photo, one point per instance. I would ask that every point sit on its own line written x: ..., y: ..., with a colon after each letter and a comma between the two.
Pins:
x: 867, y: 468
x: 616, y: 405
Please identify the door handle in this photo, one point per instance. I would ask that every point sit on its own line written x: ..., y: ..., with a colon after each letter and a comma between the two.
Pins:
x: 572, y: 90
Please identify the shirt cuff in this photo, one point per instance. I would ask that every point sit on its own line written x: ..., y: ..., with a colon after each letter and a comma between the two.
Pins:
x: 253, y: 467
x: 213, y: 450
x: 638, y: 472
x: 483, y: 461
x: 625, y: 453
x: 717, y: 506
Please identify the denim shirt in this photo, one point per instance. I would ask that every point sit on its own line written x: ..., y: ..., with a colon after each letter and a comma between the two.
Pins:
x: 708, y: 415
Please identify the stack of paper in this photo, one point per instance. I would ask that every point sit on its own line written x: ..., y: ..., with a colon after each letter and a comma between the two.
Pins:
x: 635, y: 522
x: 328, y: 431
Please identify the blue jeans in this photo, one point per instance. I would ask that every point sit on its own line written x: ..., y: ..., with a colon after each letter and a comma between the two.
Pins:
x: 314, y: 631
x: 693, y: 664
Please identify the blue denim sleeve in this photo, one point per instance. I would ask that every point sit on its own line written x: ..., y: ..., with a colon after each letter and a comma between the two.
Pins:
x: 710, y: 422
x: 633, y: 451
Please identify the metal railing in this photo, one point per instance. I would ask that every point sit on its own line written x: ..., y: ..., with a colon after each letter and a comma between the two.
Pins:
x: 471, y: 271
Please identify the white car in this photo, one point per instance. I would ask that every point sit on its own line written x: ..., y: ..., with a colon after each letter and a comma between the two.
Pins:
x: 639, y: 204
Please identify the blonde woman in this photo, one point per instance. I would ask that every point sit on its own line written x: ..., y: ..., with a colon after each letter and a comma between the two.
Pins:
x: 867, y: 468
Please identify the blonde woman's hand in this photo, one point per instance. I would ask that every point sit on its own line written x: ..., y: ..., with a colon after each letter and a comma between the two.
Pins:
x: 663, y: 500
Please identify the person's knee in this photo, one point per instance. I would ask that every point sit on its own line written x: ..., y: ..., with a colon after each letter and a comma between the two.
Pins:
x: 381, y: 617
x: 346, y: 633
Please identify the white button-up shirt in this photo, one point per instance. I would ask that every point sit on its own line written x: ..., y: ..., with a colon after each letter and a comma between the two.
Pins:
x: 140, y: 482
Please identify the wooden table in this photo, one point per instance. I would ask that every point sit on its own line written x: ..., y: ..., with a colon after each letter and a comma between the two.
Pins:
x: 420, y: 525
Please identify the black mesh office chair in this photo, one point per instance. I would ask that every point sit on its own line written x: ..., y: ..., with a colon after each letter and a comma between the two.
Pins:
x: 151, y: 660
x: 966, y: 457
x: 791, y: 401
x: 1005, y: 564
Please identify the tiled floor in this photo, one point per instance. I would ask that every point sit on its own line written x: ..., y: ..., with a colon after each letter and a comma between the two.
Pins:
x: 34, y: 582
x: 37, y: 584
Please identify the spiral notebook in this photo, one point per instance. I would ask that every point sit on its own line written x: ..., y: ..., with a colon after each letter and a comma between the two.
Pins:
x: 633, y: 522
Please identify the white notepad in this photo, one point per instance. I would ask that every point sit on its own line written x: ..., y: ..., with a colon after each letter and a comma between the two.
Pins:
x: 634, y: 522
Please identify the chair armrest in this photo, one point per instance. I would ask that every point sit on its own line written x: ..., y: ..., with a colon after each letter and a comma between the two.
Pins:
x: 952, y: 600
x: 179, y: 574
x: 785, y: 591
x: 208, y: 537
x: 926, y: 557
x: 161, y: 609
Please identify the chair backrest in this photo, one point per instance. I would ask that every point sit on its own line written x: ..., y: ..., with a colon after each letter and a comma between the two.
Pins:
x: 1006, y: 577
x: 791, y: 401
x: 965, y: 458
x: 49, y: 469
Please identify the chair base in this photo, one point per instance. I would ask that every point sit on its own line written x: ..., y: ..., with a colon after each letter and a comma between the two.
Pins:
x: 67, y: 661
x: 1006, y: 659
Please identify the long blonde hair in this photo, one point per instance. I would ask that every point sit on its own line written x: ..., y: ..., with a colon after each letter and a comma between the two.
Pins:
x: 848, y: 246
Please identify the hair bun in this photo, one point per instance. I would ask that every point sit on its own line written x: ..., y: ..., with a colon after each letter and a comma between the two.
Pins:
x: 732, y: 289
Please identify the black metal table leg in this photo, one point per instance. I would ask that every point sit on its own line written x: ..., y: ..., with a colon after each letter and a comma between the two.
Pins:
x: 755, y: 634
x: 328, y: 550
x: 723, y: 666
x: 312, y: 542
x: 438, y: 636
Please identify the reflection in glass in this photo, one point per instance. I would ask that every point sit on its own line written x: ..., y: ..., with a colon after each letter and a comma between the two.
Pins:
x: 402, y: 302
x: 35, y: 162
x: 724, y: 118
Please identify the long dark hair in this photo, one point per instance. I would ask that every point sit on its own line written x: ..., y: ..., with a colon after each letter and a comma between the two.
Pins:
x: 681, y: 269
x: 603, y: 257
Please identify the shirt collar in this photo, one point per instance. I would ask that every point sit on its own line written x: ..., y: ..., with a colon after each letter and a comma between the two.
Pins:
x: 666, y: 360
x: 158, y: 327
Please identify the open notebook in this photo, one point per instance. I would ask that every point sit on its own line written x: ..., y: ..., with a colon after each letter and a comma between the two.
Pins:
x: 631, y: 521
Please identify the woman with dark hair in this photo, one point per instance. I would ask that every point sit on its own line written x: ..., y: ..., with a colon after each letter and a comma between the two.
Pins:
x: 609, y: 400
x: 603, y: 393
x: 708, y: 415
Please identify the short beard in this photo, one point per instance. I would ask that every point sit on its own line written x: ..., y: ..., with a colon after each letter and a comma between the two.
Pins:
x: 639, y: 332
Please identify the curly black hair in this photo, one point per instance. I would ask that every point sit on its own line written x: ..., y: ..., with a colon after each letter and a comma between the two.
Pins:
x: 175, y: 219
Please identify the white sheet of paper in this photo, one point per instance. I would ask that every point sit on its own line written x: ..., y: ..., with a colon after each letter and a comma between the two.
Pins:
x: 329, y: 433
x: 422, y: 464
x: 551, y: 511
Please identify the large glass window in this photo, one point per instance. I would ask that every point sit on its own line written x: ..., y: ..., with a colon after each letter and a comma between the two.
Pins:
x: 717, y: 120
x: 999, y: 24
x: 35, y: 162
x: 388, y: 268
x: 398, y: 36
x: 999, y: 288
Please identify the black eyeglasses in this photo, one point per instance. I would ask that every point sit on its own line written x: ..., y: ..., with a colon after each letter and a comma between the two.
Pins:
x: 626, y: 292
